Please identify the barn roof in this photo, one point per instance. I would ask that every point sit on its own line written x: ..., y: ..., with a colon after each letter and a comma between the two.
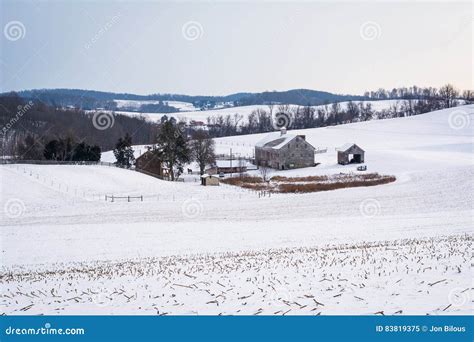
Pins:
x: 275, y: 140
x: 347, y: 146
x: 146, y: 155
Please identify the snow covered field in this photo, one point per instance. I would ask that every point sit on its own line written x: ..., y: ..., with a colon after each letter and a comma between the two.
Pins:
x: 188, y: 112
x: 400, y: 248
x: 182, y: 106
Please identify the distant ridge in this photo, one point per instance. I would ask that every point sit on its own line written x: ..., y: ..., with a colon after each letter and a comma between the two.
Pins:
x: 92, y: 99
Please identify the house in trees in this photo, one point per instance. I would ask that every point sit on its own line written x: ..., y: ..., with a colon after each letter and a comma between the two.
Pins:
x: 282, y: 151
x: 349, y: 154
x: 150, y: 164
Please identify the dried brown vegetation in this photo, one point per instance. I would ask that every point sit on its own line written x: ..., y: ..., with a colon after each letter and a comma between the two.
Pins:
x: 315, y: 187
x: 281, y: 184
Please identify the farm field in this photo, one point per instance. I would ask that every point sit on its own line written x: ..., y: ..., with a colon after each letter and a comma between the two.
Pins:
x: 187, y: 249
x: 188, y: 112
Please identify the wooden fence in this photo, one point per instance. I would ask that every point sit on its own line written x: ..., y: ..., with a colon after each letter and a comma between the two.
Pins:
x: 112, y: 198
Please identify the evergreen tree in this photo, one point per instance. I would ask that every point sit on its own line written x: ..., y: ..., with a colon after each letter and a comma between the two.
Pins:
x: 172, y: 149
x: 123, y: 152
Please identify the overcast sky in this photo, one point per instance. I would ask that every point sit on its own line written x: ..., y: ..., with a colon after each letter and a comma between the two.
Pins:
x: 217, y: 48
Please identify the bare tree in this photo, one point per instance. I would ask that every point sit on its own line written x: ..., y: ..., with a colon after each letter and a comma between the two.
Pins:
x: 270, y: 108
x: 265, y: 172
x: 468, y: 96
x: 448, y: 95
x: 202, y: 149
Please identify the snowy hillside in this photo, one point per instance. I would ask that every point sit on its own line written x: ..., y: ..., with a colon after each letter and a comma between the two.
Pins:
x: 187, y: 113
x: 182, y: 106
x: 403, y: 248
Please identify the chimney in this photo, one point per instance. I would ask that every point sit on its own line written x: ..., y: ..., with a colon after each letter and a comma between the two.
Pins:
x: 302, y: 137
x: 283, y: 131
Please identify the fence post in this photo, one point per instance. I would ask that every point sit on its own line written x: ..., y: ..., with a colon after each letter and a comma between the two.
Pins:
x: 141, y: 197
x: 106, y: 198
x: 128, y: 198
x: 112, y: 198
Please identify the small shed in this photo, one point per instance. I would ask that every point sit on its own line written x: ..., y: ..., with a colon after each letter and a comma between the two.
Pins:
x: 350, y: 154
x: 209, y: 180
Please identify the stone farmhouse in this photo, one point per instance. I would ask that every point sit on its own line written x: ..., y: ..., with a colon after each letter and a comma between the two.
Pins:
x: 282, y: 151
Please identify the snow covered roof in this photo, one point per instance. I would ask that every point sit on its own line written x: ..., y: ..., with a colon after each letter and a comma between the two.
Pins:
x: 275, y: 140
x: 345, y: 147
x: 235, y: 163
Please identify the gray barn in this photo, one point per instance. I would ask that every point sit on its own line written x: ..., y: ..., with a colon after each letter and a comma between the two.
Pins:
x: 350, y: 153
x: 283, y: 151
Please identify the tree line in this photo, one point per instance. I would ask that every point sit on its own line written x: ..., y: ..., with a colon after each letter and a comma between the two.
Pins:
x: 43, y: 123
x: 173, y: 147
x: 58, y: 149
x: 413, y: 101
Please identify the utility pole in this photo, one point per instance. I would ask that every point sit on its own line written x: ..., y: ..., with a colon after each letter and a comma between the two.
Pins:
x: 231, y: 161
